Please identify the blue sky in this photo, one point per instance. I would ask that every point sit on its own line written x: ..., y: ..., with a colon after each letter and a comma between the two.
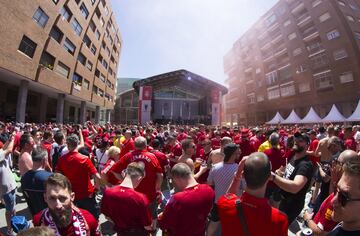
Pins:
x: 160, y: 36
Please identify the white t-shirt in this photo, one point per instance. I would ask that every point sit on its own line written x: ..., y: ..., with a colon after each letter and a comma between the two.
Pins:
x: 101, y: 157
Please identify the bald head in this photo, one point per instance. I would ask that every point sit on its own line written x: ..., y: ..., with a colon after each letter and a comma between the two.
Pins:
x: 257, y: 170
x: 348, y: 155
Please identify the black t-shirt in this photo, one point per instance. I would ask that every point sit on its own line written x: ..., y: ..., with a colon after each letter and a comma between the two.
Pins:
x: 302, y: 167
x: 339, y: 231
x: 33, y: 186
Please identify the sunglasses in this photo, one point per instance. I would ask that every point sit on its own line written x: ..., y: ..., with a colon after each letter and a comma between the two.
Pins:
x: 343, y: 198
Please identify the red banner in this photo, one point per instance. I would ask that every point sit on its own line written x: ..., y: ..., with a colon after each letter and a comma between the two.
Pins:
x: 147, y: 93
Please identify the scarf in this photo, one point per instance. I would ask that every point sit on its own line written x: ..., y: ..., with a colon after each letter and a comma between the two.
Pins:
x: 78, y: 222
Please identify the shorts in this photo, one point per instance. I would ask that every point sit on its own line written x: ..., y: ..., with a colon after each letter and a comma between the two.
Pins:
x: 214, y: 213
x: 10, y: 200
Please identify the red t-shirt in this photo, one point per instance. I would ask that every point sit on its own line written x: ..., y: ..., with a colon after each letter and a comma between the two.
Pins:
x: 152, y: 168
x: 181, y: 137
x: 163, y: 161
x: 127, y: 208
x: 128, y: 146
x: 323, y: 216
x: 69, y: 231
x: 256, y: 142
x: 246, y: 148
x: 179, y: 214
x: 260, y: 217
x: 203, y: 178
x: 313, y: 146
x: 78, y: 169
x: 275, y: 156
x: 215, y: 143
x: 350, y: 143
x: 111, y: 178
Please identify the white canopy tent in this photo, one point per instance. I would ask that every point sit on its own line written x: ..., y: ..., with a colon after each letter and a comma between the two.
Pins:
x: 356, y: 114
x: 311, y: 117
x: 334, y: 116
x: 293, y: 118
x: 276, y: 120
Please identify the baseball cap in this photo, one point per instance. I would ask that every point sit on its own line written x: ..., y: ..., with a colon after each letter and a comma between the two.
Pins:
x: 302, y: 136
x: 230, y: 148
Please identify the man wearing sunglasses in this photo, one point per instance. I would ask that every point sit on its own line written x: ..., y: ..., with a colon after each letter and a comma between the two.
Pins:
x: 346, y: 201
x: 323, y: 223
x: 294, y: 179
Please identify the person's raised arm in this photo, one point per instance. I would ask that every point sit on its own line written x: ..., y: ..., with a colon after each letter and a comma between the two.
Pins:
x: 235, y: 184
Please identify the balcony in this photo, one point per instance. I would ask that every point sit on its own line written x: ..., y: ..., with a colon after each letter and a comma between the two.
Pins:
x: 310, y: 33
x: 296, y: 7
x: 301, y: 20
x: 322, y: 83
x: 280, y: 51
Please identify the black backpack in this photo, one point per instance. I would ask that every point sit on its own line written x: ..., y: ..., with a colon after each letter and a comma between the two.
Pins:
x: 56, y: 155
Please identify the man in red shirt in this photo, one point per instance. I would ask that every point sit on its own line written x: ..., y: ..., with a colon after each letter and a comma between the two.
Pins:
x: 173, y: 150
x: 349, y: 140
x: 187, y: 210
x: 78, y: 169
x: 182, y: 135
x: 245, y: 145
x: 259, y: 217
x: 314, y: 142
x: 127, y: 208
x: 215, y: 142
x: 128, y: 144
x: 151, y: 184
x: 61, y: 215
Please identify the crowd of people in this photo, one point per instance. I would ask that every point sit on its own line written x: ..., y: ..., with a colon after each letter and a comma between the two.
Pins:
x: 185, y: 180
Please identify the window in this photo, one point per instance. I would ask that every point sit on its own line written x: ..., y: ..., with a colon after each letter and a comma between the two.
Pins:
x: 285, y: 73
x: 93, y: 49
x: 97, y: 34
x: 357, y: 35
x: 324, y: 17
x: 97, y: 73
x: 346, y: 77
x: 86, y: 84
x: 102, y: 22
x: 286, y: 23
x: 101, y: 92
x: 333, y: 34
x: 353, y: 5
x: 341, y: 3
x: 95, y: 89
x: 110, y: 70
x: 62, y: 69
x: 104, y: 63
x: 40, y: 17
x: 108, y: 83
x: 56, y: 34
x: 89, y: 65
x: 304, y: 87
x: 81, y: 58
x: 340, y: 54
x: 77, y: 1
x: 27, y: 46
x: 350, y: 18
x: 270, y: 20
x: 66, y: 13
x: 281, y: 10
x: 87, y: 41
x: 93, y: 2
x: 92, y: 26
x: 319, y: 60
x: 260, y: 98
x: 292, y: 36
x: 111, y: 40
x: 102, y: 78
x: 47, y: 60
x: 323, y: 80
x: 55, y: 1
x: 106, y: 11
x: 316, y: 3
x: 297, y: 52
x: 76, y: 26
x: 273, y: 93
x: 77, y: 79
x: 84, y: 10
x: 287, y: 90
x: 251, y: 98
x: 108, y: 51
x: 301, y: 68
x: 271, y: 78
x: 69, y: 46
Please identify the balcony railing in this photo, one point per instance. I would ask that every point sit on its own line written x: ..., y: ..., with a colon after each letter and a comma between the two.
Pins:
x: 309, y: 31
x: 303, y: 18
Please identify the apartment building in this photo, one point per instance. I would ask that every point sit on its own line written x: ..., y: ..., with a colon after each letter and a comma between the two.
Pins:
x: 301, y: 53
x: 58, y: 60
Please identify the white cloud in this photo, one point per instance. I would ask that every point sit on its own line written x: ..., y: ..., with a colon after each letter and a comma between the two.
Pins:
x: 164, y: 35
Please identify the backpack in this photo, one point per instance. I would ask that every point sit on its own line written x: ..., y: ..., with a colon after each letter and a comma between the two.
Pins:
x: 56, y: 155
